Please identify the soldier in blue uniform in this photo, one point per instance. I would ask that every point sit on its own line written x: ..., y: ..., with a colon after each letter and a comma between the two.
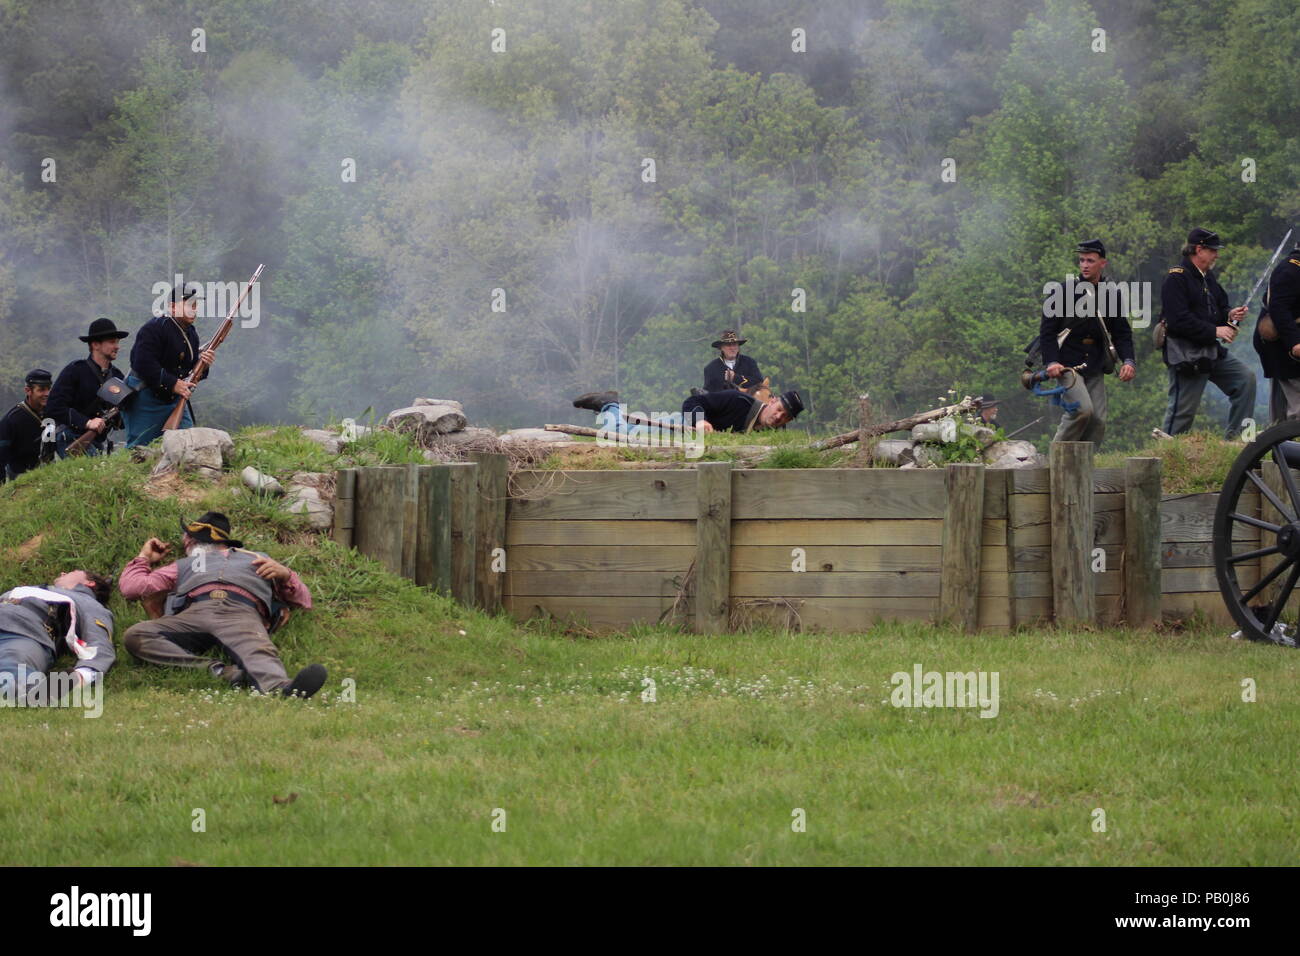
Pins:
x: 1090, y: 340
x: 22, y: 429
x: 722, y: 411
x: 731, y: 370
x: 1195, y: 310
x: 75, y: 405
x: 1280, y: 353
x: 165, y: 351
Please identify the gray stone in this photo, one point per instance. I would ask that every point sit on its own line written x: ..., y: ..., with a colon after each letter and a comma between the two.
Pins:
x: 330, y: 441
x: 533, y: 434
x: 200, y: 451
x: 307, y: 496
x: 257, y: 481
x: 426, y: 422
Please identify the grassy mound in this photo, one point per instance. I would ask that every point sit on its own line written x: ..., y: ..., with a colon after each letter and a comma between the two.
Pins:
x: 1191, y: 463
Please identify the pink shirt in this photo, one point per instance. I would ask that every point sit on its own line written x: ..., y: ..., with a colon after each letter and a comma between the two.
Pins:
x: 139, y: 581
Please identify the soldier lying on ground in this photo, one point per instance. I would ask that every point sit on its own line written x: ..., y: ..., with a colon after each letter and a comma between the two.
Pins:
x: 723, y: 411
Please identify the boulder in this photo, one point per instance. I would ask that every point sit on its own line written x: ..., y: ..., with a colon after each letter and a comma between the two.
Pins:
x: 943, y: 430
x: 200, y: 451
x: 426, y: 422
x: 1013, y: 454
x: 891, y: 449
x: 451, y: 402
x: 257, y: 481
x: 463, y: 437
x: 309, y: 495
x: 332, y: 442
x: 533, y: 434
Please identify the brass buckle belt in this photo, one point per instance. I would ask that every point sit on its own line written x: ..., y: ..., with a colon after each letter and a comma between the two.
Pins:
x: 221, y: 594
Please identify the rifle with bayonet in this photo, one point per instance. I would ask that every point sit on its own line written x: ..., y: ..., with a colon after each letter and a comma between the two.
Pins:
x: 201, y: 366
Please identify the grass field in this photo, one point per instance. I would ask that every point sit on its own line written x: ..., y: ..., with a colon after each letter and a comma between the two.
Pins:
x: 457, y: 715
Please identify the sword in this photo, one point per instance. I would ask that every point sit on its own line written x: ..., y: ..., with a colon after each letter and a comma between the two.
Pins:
x: 1269, y: 268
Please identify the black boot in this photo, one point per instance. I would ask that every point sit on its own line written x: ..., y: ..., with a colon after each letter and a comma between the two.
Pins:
x: 595, y: 401
x: 307, y: 681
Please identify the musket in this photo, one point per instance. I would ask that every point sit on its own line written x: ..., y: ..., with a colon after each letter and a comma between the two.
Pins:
x: 81, y: 444
x: 174, y: 419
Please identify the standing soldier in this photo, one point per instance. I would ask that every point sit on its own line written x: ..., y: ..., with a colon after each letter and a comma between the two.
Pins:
x: 731, y: 369
x: 1277, y: 338
x: 1195, y: 311
x: 22, y: 429
x: 164, y: 353
x: 1096, y: 340
x: 75, y: 405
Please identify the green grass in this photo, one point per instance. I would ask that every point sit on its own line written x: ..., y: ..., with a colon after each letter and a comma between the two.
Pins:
x: 457, y: 714
x: 1191, y: 463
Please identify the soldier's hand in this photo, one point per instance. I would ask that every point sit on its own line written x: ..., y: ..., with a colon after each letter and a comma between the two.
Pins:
x: 1225, y: 332
x: 1295, y: 351
x: 270, y: 569
x: 182, y: 388
x: 706, y: 426
x: 1055, y: 369
x: 154, y: 549
x: 1237, y: 314
x: 208, y: 356
x: 1126, y: 372
x: 95, y: 424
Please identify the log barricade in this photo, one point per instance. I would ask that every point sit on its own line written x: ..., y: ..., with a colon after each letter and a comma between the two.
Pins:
x: 716, y: 549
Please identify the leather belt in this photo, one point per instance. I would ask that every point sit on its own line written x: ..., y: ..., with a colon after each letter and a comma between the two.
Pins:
x: 221, y: 594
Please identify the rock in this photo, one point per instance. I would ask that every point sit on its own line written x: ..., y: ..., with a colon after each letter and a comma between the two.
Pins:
x: 533, y: 434
x: 257, y: 481
x: 469, y: 434
x: 1013, y: 454
x: 202, y: 451
x: 308, y: 494
x: 944, y: 430
x: 426, y: 421
x: 352, y: 431
x: 441, y: 401
x: 890, y: 449
x: 330, y: 441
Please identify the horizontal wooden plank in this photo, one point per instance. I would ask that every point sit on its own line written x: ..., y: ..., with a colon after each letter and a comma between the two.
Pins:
x: 1040, y: 558
x: 519, y: 532
x: 1031, y: 520
x: 1186, y: 518
x: 921, y: 532
x: 602, y: 557
x: 596, y: 584
x: 835, y: 584
x: 1036, y: 481
x: 852, y: 493
x: 1176, y: 607
x: 1181, y: 580
x: 1038, y: 610
x: 603, y: 495
x: 856, y: 614
x: 823, y: 558
x: 1026, y: 584
x: 596, y: 614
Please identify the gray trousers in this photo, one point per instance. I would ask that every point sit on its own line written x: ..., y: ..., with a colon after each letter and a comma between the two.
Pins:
x: 1230, y: 375
x: 1284, y: 400
x: 21, y: 657
x: 182, y: 640
x: 1089, y: 422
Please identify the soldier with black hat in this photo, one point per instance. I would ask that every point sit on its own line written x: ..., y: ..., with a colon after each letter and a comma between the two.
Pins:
x: 1099, y: 341
x: 1198, y: 326
x: 165, y: 351
x: 220, y: 598
x: 723, y: 411
x: 22, y: 430
x: 731, y: 370
x: 74, y: 402
x: 1277, y: 338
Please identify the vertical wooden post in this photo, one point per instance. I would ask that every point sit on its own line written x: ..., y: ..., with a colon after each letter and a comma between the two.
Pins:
x: 963, y: 525
x: 1142, y: 559
x: 464, y: 529
x: 1074, y: 598
x: 493, y: 493
x: 433, y: 521
x: 410, y: 520
x: 713, y: 547
x: 345, y: 493
x: 866, y: 446
x: 1005, y: 479
x: 378, y: 532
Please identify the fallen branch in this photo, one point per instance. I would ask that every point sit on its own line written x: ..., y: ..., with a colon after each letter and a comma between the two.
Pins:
x: 903, y: 424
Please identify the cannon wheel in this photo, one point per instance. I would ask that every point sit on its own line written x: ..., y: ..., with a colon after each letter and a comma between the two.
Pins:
x: 1256, y: 608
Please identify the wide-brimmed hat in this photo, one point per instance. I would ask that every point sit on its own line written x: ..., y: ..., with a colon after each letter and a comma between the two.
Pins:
x: 729, y: 338
x: 211, y: 528
x: 103, y: 328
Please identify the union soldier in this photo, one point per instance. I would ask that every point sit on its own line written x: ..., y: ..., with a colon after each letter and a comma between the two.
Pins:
x: 22, y: 430
x: 1280, y: 354
x: 39, y: 624
x: 220, y: 597
x: 165, y: 351
x: 731, y: 370
x: 75, y: 405
x: 723, y: 411
x: 1195, y: 311
x: 1090, y: 341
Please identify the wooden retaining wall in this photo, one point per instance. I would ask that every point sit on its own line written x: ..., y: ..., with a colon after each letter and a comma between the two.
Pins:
x: 716, y: 549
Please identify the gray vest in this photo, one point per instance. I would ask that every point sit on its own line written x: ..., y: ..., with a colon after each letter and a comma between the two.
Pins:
x: 234, y: 566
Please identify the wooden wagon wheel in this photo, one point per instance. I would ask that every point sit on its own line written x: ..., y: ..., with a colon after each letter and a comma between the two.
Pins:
x: 1260, y: 609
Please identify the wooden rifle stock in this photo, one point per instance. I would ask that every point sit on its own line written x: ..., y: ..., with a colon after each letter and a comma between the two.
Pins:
x: 79, y: 446
x: 196, y: 373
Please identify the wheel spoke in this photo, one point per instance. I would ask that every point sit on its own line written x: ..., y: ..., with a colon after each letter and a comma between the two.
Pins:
x: 1273, y: 499
x: 1276, y: 609
x: 1255, y: 522
x: 1284, y: 466
x: 1266, y: 580
x: 1248, y: 555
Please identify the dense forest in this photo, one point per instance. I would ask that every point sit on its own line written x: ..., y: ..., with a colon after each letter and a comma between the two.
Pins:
x: 510, y: 201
